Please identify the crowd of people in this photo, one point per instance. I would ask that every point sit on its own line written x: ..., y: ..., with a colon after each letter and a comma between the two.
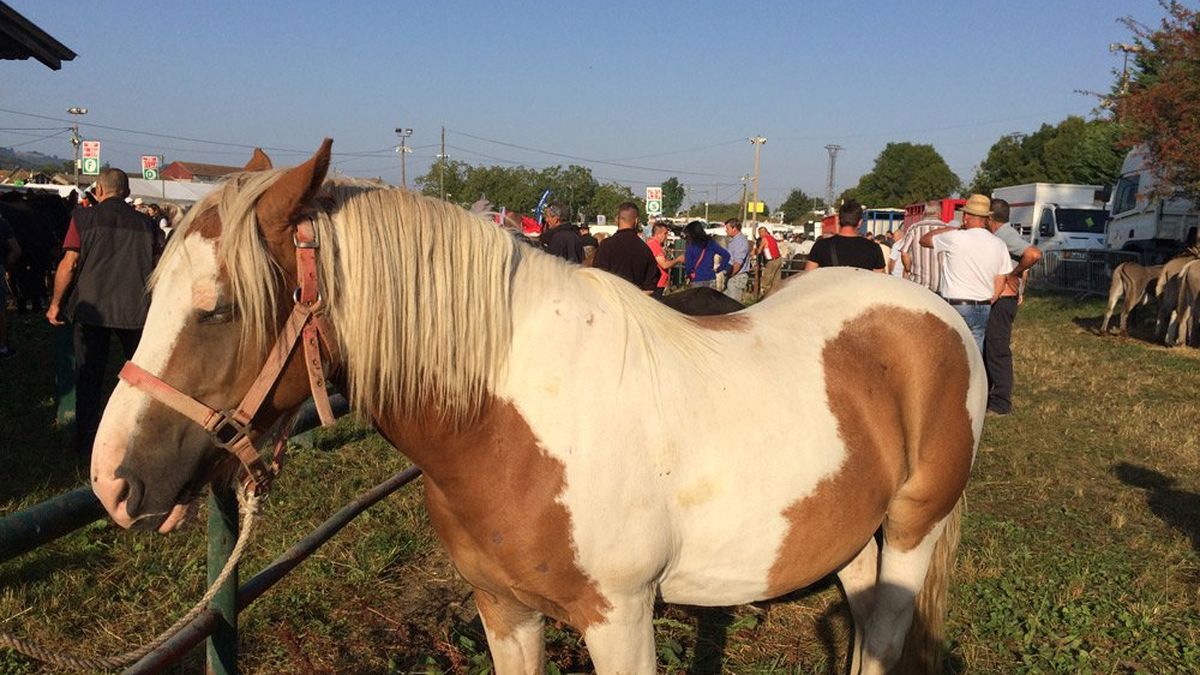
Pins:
x: 112, y: 244
x: 978, y: 265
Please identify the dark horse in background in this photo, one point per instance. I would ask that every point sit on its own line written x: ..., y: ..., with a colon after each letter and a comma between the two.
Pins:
x: 39, y: 221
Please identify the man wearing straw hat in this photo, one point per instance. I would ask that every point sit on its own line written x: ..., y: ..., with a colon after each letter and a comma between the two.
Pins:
x: 975, y: 264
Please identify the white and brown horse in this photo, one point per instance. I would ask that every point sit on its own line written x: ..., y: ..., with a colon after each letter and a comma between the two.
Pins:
x: 464, y: 347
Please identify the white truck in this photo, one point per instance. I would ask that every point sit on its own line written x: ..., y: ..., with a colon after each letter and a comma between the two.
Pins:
x: 1145, y: 221
x: 1057, y: 215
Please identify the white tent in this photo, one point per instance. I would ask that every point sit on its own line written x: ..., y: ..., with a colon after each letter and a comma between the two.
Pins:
x: 179, y: 192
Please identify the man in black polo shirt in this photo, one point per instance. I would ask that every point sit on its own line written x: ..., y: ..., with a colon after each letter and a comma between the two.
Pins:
x: 109, y: 252
x: 626, y: 255
x: 847, y: 248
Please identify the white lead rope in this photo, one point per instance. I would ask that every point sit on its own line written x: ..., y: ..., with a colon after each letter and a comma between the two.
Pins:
x: 249, y: 504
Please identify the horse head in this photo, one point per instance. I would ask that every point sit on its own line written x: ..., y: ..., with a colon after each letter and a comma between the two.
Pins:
x: 150, y: 461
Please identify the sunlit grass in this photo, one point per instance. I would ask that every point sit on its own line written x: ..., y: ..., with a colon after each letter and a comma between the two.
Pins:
x: 1080, y: 544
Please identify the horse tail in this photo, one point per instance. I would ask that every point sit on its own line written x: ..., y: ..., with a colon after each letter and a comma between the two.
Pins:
x: 923, y: 645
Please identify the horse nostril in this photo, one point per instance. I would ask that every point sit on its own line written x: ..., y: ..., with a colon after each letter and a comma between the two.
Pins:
x: 132, y: 493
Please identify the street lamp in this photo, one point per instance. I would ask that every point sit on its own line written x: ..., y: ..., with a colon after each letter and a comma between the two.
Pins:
x: 75, y: 113
x: 403, y: 149
x: 758, y: 142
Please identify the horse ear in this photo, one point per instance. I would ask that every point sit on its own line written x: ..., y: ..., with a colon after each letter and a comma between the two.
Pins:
x: 258, y: 162
x: 285, y: 201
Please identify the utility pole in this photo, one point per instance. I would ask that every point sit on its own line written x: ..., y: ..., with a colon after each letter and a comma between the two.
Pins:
x: 442, y: 166
x: 758, y: 142
x: 833, y: 151
x: 403, y: 149
x: 745, y: 206
x: 75, y: 140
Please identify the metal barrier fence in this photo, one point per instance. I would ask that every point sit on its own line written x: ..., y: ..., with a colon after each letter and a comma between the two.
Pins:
x: 1084, y: 272
x: 58, y: 516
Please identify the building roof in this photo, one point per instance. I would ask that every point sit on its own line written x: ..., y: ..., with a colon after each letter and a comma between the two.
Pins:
x: 21, y: 39
x: 200, y: 169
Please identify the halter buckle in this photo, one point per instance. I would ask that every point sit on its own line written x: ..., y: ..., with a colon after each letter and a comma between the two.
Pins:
x: 316, y: 238
x: 228, y: 431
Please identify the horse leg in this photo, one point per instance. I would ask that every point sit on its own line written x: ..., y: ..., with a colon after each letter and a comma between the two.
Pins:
x: 515, y: 634
x: 858, y: 579
x: 1114, y: 296
x: 903, y: 587
x: 624, y: 643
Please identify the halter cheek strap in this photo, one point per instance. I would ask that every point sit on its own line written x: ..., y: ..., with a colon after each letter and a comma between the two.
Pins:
x: 232, y: 429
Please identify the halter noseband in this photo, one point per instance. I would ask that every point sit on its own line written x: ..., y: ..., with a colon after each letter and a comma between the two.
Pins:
x: 231, y: 429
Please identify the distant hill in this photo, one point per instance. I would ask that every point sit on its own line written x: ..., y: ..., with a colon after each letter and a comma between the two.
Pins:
x: 12, y: 159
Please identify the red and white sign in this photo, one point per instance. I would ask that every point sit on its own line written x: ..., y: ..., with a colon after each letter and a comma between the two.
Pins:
x: 91, y: 149
x: 149, y: 162
x: 654, y: 192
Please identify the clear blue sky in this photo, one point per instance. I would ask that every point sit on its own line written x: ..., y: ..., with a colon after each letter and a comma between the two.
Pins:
x: 673, y: 87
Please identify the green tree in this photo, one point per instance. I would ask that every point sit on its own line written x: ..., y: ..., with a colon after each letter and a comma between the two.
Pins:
x: 905, y: 173
x: 1159, y: 108
x: 673, y: 194
x: 573, y: 185
x: 798, y: 206
x: 608, y: 197
x: 1074, y: 151
x: 451, y: 173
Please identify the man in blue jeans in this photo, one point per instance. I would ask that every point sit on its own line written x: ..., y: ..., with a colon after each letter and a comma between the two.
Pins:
x: 975, y: 264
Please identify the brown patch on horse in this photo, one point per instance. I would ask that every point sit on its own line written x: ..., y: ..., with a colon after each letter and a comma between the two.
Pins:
x: 908, y: 439
x: 208, y: 224
x: 492, y: 493
x: 726, y: 323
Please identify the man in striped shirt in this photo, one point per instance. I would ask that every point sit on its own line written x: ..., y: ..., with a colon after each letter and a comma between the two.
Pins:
x: 920, y: 263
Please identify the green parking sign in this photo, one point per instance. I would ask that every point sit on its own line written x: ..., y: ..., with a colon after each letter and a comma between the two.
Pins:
x: 150, y: 174
x: 91, y: 166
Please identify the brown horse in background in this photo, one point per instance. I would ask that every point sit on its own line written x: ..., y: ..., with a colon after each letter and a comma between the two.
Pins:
x: 1130, y: 281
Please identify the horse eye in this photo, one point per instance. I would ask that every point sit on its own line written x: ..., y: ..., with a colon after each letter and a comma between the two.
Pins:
x: 221, y: 314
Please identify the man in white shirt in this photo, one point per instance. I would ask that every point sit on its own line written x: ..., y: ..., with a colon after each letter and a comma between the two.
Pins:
x: 974, y: 265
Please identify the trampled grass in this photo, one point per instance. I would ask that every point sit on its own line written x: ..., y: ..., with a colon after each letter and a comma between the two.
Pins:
x: 1080, y: 552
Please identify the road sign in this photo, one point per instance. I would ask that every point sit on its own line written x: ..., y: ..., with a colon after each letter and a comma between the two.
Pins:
x: 91, y: 166
x: 757, y: 207
x: 91, y: 150
x: 150, y: 167
x: 653, y: 200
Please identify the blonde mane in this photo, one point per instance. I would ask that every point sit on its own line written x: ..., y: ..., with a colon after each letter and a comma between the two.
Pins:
x: 419, y: 293
x: 430, y: 322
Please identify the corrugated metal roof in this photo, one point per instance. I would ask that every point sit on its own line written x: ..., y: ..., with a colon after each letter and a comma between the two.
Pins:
x: 21, y: 39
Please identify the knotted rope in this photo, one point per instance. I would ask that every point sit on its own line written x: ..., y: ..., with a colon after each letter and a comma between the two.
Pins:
x: 249, y: 505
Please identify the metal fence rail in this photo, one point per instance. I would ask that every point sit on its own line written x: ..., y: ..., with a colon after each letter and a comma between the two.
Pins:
x: 1084, y: 272
x: 209, y: 622
x: 58, y: 516
x: 42, y: 523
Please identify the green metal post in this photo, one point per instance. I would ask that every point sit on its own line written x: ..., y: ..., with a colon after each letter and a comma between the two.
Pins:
x: 222, y: 535
x: 64, y: 380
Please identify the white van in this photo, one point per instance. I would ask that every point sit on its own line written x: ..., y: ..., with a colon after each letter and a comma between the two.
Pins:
x: 1057, y: 215
x: 1142, y: 221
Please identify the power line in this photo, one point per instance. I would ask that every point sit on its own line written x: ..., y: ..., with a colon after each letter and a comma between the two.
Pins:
x: 184, y: 138
x: 586, y: 159
x: 60, y: 132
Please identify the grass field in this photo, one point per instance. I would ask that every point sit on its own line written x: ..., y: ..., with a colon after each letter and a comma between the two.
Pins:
x: 1080, y: 551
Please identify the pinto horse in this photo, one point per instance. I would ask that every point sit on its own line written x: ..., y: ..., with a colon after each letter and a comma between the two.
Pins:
x: 462, y: 346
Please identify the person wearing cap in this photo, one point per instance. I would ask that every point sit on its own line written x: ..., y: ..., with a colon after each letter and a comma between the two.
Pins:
x: 997, y: 343
x: 974, y: 267
x: 562, y: 239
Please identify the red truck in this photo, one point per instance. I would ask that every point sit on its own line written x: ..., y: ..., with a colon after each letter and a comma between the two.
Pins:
x: 915, y: 212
